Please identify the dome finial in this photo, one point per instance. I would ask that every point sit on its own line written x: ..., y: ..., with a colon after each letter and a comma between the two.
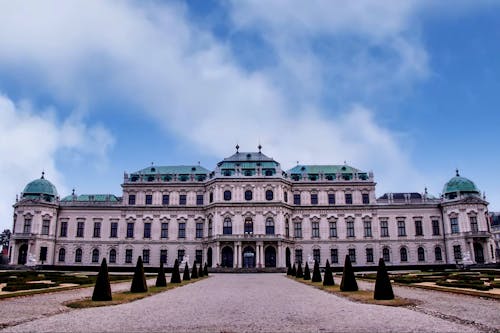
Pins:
x: 458, y: 174
x: 260, y: 147
x: 237, y: 148
x: 43, y: 175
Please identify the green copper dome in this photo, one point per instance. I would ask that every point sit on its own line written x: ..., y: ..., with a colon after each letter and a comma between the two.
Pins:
x: 460, y: 185
x: 40, y: 187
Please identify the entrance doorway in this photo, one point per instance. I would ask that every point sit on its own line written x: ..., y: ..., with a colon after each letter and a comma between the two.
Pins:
x: 478, y: 253
x: 23, y: 254
x: 270, y: 257
x: 248, y: 257
x: 227, y: 257
x: 288, y: 257
x: 209, y: 257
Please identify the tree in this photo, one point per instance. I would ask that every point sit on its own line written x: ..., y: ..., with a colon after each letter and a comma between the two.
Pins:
x: 328, y: 278
x: 383, y: 287
x: 161, y: 281
x: 200, y: 270
x: 294, y: 271
x: 194, y: 271
x: 307, y: 272
x: 139, y: 281
x: 205, y: 270
x: 299, y: 274
x: 316, y: 273
x: 102, y: 289
x: 289, y: 270
x: 185, y: 276
x: 4, y: 238
x: 348, y: 279
x: 176, y: 275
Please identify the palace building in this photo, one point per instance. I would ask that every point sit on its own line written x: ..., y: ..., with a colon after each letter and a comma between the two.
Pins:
x: 248, y: 212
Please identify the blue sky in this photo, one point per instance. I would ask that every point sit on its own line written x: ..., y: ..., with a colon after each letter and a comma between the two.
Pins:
x: 406, y: 89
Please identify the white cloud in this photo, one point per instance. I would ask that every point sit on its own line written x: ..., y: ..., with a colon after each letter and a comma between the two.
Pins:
x: 30, y: 142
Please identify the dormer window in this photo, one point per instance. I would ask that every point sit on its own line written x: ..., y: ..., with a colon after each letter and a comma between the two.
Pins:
x: 268, y: 172
x: 183, y: 178
x: 134, y: 178
x: 151, y: 178
x: 295, y: 177
x: 330, y: 177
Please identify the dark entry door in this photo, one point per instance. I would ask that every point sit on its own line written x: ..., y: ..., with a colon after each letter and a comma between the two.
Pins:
x: 209, y: 257
x: 478, y: 253
x: 227, y: 257
x: 248, y: 257
x: 23, y: 254
x: 270, y: 259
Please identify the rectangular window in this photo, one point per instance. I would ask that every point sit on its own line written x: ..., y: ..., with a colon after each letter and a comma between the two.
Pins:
x: 199, y: 199
x: 27, y: 226
x: 419, y: 231
x: 285, y: 196
x: 315, y: 230
x: 368, y: 228
x: 182, y: 199
x: 114, y: 230
x: 128, y: 256
x: 333, y: 229
x: 130, y: 230
x: 454, y: 225
x: 401, y: 228
x: 199, y: 230
x: 149, y: 199
x: 45, y: 227
x: 180, y: 255
x: 131, y: 199
x: 435, y: 228
x: 350, y: 228
x: 210, y: 228
x: 331, y: 198
x: 334, y: 254
x: 296, y: 199
x: 165, y: 200
x: 384, y: 229
x: 199, y: 256
x: 317, y: 255
x: 97, y: 230
x: 43, y: 254
x: 457, y: 252
x: 473, y: 224
x: 163, y: 256
x: 182, y: 230
x: 348, y: 199
x: 80, y: 226
x: 64, y: 229
x: 298, y: 256
x: 369, y: 255
x: 352, y: 255
x: 145, y: 256
x: 164, y: 230
x: 147, y: 230
x: 314, y: 199
x: 297, y: 229
x: 366, y: 198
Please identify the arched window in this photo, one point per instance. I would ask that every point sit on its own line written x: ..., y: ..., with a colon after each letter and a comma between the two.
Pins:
x: 78, y: 255
x: 95, y: 255
x: 269, y: 226
x: 112, y: 256
x: 248, y: 195
x: 287, y: 228
x: 421, y: 254
x: 403, y: 253
x: 227, y: 195
x: 211, y: 197
x: 62, y: 255
x: 248, y: 226
x: 437, y: 254
x: 227, y: 226
x: 386, y: 254
x: 269, y: 195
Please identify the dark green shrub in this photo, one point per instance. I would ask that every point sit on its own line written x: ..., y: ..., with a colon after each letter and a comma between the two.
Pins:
x: 185, y: 276
x: 28, y: 286
x: 289, y: 270
x: 459, y: 284
x: 176, y: 275
x: 328, y: 278
x: 316, y: 273
x: 200, y: 271
x: 307, y: 272
x: 205, y: 270
x: 161, y: 280
x: 102, y: 289
x: 383, y: 287
x: 348, y: 279
x: 495, y: 284
x: 300, y: 274
x: 194, y: 271
x: 139, y: 281
x: 407, y: 279
x: 294, y: 271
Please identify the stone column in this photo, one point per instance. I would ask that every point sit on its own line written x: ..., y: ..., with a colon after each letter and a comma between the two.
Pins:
x: 217, y: 254
x: 238, y: 254
x: 257, y: 253
x: 279, y: 259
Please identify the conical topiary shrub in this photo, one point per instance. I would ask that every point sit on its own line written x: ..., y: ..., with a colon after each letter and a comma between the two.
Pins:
x: 289, y: 270
x: 194, y: 271
x: 102, y: 289
x: 294, y: 271
x: 200, y: 271
x: 328, y: 278
x: 383, y: 287
x: 307, y: 272
x: 176, y: 275
x: 299, y: 274
x: 348, y: 279
x: 316, y: 273
x: 139, y: 281
x: 205, y: 270
x: 185, y: 276
x: 161, y: 281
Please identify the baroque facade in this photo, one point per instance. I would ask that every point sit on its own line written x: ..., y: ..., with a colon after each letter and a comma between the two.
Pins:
x: 248, y: 212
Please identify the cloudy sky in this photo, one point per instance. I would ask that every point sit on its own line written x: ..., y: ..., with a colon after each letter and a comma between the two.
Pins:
x: 407, y: 89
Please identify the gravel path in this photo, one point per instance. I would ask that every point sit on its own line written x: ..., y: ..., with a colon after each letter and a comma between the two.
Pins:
x: 245, y: 303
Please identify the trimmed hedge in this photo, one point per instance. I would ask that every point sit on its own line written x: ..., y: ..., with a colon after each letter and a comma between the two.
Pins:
x: 28, y: 286
x: 459, y: 284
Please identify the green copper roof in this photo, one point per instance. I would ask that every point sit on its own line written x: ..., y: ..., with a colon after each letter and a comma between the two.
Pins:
x: 324, y: 169
x: 173, y: 169
x: 460, y: 184
x: 92, y: 197
x: 40, y: 186
x: 248, y: 157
